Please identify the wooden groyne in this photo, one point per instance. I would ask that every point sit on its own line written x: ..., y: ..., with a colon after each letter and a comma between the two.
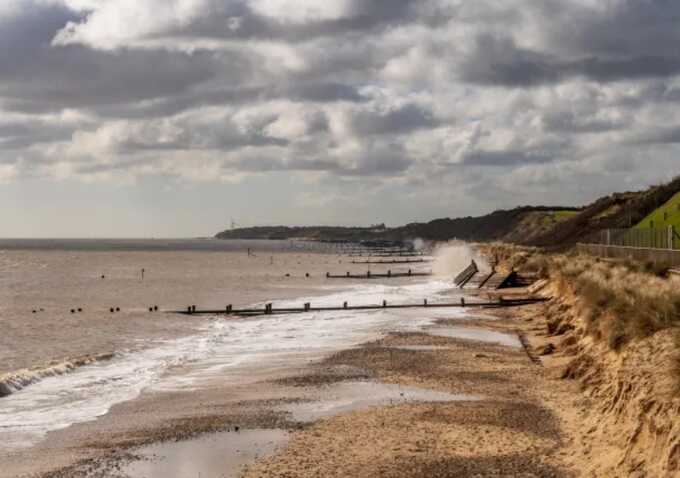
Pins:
x: 467, y: 274
x: 472, y: 277
x: 395, y: 261
x: 387, y: 254
x: 269, y: 309
x: 371, y: 275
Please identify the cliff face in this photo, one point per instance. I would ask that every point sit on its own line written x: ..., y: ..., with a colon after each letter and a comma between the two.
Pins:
x: 613, y: 332
x: 629, y: 418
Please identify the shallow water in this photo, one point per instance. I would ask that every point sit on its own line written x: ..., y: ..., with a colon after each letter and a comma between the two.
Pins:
x: 220, y: 455
x: 351, y: 396
x: 224, y: 454
x: 419, y: 348
x: 472, y: 333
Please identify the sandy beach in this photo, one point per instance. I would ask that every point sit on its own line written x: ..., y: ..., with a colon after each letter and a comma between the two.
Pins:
x: 423, y: 392
x: 460, y: 408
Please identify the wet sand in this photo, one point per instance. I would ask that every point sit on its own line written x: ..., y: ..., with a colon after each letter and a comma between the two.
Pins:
x: 513, y: 430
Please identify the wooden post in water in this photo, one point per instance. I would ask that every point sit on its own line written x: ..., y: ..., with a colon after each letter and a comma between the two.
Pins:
x: 344, y: 305
x: 228, y: 309
x: 384, y: 303
x: 425, y: 303
x: 389, y: 273
x: 308, y: 306
x: 462, y: 301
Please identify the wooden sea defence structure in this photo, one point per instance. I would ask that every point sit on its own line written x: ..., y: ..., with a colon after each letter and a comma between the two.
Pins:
x: 269, y: 308
x: 472, y: 277
x: 394, y: 261
x: 489, y: 280
x: 386, y: 254
x: 371, y: 275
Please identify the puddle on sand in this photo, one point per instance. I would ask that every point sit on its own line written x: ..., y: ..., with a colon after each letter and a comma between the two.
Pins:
x: 419, y: 348
x: 471, y: 333
x: 350, y: 396
x: 223, y: 455
x: 219, y: 455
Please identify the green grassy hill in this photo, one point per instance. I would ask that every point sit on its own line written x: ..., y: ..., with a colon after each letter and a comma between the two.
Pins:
x: 617, y: 211
x: 666, y: 215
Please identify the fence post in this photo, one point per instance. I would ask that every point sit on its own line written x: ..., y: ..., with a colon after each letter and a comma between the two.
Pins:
x: 609, y: 237
x: 671, y: 237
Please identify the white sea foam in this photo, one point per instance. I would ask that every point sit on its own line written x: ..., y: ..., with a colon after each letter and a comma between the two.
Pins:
x: 13, y: 382
x: 218, y: 349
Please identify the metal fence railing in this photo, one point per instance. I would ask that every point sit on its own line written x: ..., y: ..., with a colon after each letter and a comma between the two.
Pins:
x: 666, y: 238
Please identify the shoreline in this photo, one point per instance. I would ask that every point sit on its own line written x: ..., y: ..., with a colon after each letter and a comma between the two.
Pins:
x: 512, y: 422
x: 159, y: 415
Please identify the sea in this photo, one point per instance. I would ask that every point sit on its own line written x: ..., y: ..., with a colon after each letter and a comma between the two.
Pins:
x: 86, y: 324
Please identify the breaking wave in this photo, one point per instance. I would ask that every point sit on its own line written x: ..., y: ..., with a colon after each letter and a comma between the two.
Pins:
x: 15, y: 381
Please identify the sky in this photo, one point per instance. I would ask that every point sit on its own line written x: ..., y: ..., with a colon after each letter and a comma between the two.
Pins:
x: 172, y: 118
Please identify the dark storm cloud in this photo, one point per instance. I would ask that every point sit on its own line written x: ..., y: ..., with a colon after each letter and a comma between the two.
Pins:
x: 263, y: 164
x: 507, y: 158
x: 383, y: 162
x: 78, y: 77
x: 245, y: 23
x: 407, y: 118
x: 572, y: 122
x: 497, y: 60
x: 19, y: 135
x: 659, y: 135
x: 306, y: 92
x: 617, y: 29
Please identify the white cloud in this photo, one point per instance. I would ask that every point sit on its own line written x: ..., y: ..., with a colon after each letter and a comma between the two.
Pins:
x: 113, y: 23
x: 485, y: 95
x: 302, y: 11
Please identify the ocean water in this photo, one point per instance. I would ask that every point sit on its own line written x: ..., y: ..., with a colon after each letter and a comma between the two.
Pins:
x: 205, y: 245
x: 74, y: 367
x: 221, y: 350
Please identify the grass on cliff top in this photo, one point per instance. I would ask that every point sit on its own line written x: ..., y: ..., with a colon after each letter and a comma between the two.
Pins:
x: 664, y: 216
x: 564, y: 215
x: 620, y: 302
x: 553, y: 217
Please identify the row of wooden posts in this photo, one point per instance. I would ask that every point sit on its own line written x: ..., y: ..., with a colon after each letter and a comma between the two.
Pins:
x: 269, y: 309
x: 371, y: 275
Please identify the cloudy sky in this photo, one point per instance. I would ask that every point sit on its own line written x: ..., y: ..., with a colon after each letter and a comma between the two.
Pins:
x: 171, y: 117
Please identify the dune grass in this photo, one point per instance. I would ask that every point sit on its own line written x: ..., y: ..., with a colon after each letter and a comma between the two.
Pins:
x: 620, y: 302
